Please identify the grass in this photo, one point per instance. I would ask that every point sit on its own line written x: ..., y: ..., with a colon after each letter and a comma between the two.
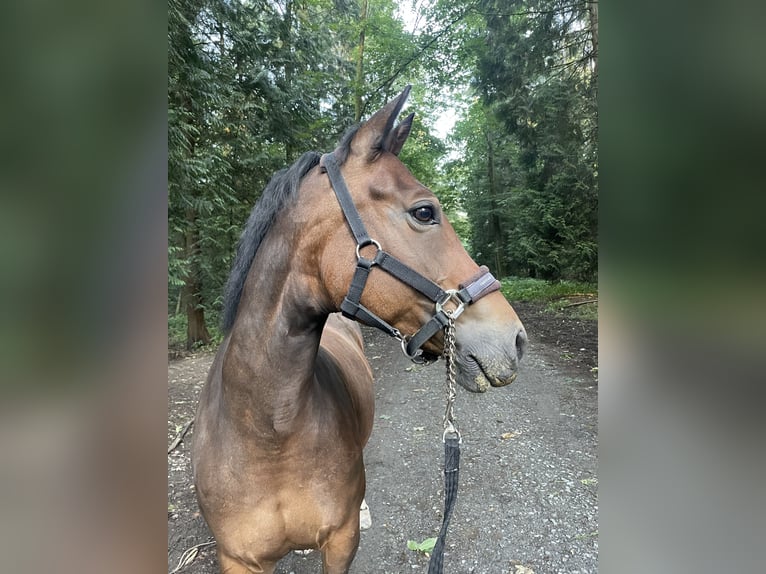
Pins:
x: 554, y: 294
x: 527, y: 289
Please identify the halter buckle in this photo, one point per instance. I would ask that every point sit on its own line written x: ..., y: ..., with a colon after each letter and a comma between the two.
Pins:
x: 451, y: 295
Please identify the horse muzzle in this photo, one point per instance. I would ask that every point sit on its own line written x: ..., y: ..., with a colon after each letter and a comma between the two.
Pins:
x: 489, y: 360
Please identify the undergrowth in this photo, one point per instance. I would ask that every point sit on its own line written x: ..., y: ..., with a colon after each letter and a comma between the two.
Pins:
x: 177, y: 333
x: 527, y: 289
x: 556, y: 295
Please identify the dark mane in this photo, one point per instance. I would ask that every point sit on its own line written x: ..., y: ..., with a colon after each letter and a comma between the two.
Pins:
x: 280, y: 191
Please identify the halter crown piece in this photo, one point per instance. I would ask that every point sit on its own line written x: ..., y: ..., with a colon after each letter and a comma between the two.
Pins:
x: 467, y: 293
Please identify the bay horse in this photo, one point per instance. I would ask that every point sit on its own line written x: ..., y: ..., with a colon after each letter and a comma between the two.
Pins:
x: 288, y: 404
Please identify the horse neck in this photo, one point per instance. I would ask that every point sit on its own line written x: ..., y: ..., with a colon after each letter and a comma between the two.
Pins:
x: 268, y: 366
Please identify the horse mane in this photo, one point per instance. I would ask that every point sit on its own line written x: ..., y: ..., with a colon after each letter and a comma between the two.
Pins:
x: 281, y: 190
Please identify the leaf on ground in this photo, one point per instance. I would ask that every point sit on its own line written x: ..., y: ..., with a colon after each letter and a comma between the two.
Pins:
x: 508, y: 435
x: 426, y: 546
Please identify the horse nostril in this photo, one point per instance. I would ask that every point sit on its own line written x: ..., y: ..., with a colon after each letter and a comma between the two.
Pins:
x: 521, y: 343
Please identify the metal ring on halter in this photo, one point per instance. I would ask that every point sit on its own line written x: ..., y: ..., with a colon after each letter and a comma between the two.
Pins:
x: 368, y: 242
x: 417, y: 357
x: 451, y: 295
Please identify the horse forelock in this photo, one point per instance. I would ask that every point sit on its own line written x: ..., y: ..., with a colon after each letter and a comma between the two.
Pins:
x: 344, y: 147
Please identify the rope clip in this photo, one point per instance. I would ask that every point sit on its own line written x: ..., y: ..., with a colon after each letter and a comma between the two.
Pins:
x: 451, y: 430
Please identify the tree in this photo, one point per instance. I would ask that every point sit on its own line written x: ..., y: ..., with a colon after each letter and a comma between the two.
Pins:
x: 533, y: 192
x: 251, y: 83
x: 188, y: 92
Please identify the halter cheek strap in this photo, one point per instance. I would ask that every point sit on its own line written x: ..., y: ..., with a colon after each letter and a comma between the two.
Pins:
x: 468, y: 292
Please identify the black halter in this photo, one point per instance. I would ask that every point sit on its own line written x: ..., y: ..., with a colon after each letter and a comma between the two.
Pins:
x: 469, y: 292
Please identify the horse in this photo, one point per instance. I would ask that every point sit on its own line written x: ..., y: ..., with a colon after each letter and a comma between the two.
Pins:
x: 288, y: 404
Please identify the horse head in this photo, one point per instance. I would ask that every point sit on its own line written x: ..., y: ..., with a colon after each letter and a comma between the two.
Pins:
x: 405, y: 219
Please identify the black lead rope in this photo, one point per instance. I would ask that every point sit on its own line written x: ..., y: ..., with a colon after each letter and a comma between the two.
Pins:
x: 451, y: 475
x: 452, y: 442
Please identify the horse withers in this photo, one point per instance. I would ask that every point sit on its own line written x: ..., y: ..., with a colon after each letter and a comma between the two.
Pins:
x: 288, y: 405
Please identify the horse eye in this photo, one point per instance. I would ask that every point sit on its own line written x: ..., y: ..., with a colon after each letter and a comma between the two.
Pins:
x: 424, y: 214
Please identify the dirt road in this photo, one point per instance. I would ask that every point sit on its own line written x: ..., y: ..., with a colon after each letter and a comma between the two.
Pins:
x: 528, y: 479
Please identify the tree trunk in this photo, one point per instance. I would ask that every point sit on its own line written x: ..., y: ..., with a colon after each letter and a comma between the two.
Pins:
x: 191, y: 292
x: 286, y: 37
x: 494, y: 219
x: 593, y: 14
x: 359, y: 84
x: 196, y: 330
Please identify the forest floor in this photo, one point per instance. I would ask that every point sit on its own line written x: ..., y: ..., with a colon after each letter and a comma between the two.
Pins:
x: 528, y: 498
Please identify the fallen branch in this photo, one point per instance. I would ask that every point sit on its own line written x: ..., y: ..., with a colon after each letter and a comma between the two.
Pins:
x: 180, y: 436
x: 189, y: 555
x: 580, y: 303
x: 571, y: 295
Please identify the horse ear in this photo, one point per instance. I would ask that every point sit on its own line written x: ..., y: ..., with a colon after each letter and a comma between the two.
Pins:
x: 398, y: 136
x: 373, y: 136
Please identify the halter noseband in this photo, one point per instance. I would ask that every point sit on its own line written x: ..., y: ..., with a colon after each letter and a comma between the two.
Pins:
x: 469, y: 292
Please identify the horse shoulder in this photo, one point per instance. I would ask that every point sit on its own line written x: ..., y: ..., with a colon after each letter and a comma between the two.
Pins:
x: 342, y: 357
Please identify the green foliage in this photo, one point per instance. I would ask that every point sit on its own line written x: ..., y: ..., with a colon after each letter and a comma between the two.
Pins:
x: 422, y: 153
x: 176, y: 330
x: 254, y: 83
x: 529, y: 176
x: 529, y: 289
x: 426, y: 546
x: 251, y: 85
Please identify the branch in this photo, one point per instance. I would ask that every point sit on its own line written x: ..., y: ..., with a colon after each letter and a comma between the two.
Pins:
x: 556, y: 10
x: 189, y: 555
x: 585, y: 38
x: 180, y: 436
x: 390, y: 80
x: 575, y: 62
x: 580, y: 303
